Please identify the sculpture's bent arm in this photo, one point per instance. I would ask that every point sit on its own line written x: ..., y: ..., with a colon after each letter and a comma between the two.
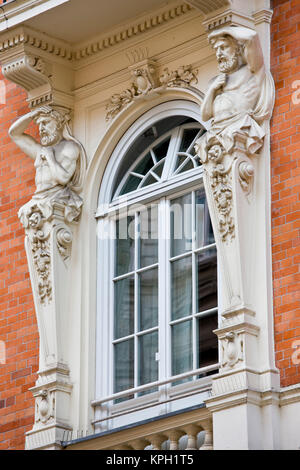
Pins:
x: 63, y: 170
x: 253, y: 53
x: 207, y: 105
x: 26, y: 143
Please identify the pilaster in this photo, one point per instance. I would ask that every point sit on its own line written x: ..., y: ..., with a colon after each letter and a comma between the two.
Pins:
x: 235, y: 155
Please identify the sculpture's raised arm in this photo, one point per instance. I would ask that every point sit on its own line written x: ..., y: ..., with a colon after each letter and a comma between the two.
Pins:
x: 24, y: 141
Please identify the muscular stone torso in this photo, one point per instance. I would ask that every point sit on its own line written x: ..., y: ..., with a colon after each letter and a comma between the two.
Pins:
x: 45, y: 178
x: 238, y: 96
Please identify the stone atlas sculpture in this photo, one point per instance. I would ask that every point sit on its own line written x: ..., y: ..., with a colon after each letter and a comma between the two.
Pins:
x: 237, y: 102
x: 241, y: 97
x: 59, y: 161
x: 60, y: 164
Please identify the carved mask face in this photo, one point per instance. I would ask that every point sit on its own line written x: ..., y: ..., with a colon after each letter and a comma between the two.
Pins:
x: 227, y: 54
x: 215, y: 153
x: 49, y: 130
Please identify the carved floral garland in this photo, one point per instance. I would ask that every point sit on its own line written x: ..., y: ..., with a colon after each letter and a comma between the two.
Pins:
x: 41, y: 254
x: 145, y: 83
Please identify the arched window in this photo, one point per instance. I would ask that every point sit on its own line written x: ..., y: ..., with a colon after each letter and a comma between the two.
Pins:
x: 157, y: 278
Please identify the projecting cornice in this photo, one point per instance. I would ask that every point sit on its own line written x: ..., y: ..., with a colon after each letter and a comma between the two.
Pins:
x: 28, y: 37
x: 208, y: 6
x: 39, y: 64
x: 158, y: 18
x: 59, y: 49
x: 44, y: 66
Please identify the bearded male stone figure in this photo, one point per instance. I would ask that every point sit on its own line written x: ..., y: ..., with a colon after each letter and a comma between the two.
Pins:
x: 241, y: 97
x: 59, y: 160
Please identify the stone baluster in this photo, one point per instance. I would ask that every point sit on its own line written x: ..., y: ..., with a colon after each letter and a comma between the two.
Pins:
x: 208, y: 439
x: 191, y: 432
x: 156, y: 441
x: 174, y: 435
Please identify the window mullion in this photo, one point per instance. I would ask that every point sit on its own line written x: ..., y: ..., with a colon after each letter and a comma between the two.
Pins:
x: 194, y: 280
x: 170, y: 158
x: 162, y: 289
x: 168, y: 289
x: 112, y: 246
x: 136, y: 299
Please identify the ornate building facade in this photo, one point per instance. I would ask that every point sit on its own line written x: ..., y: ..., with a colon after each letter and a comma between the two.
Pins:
x: 149, y: 159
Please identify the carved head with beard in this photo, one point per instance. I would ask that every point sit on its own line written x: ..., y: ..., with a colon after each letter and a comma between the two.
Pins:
x: 229, y: 53
x: 50, y: 127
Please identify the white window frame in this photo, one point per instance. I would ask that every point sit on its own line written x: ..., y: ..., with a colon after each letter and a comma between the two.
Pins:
x: 106, y: 214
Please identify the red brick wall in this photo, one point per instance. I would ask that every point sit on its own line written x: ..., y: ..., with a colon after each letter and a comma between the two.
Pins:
x: 285, y: 151
x: 18, y: 329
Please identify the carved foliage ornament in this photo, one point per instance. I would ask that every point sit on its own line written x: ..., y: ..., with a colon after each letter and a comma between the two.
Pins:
x: 41, y: 253
x: 145, y: 82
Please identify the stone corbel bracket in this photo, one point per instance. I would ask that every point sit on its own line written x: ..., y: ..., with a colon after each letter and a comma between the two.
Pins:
x: 32, y: 74
x: 40, y: 65
x: 220, y: 13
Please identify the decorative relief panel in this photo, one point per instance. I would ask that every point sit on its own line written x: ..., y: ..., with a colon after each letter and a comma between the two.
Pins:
x: 232, y: 349
x: 146, y: 82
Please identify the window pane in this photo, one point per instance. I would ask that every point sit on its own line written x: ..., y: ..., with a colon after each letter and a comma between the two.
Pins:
x: 148, y: 366
x: 207, y: 340
x: 188, y: 165
x: 207, y: 279
x: 182, y: 348
x: 148, y: 299
x: 187, y: 139
x: 200, y: 215
x: 181, y: 289
x: 145, y: 165
x: 148, y: 237
x: 204, y: 232
x: 124, y: 365
x: 131, y: 184
x: 161, y: 150
x: 149, y: 180
x: 181, y: 225
x: 124, y: 246
x: 124, y: 307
